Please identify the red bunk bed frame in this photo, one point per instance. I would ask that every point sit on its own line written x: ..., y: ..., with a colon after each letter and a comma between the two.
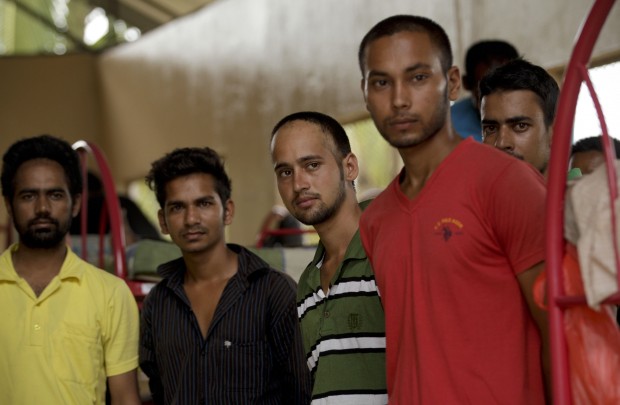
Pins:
x: 112, y: 214
x: 576, y: 73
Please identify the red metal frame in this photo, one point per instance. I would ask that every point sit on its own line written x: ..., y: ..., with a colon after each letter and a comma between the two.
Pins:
x: 576, y: 73
x: 112, y: 211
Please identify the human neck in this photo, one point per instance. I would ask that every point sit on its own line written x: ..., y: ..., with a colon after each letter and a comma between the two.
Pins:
x: 420, y: 161
x: 337, y: 232
x: 28, y: 261
x: 217, y: 263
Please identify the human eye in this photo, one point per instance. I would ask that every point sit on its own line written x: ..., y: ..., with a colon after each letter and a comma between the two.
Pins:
x: 283, y: 173
x: 313, y: 166
x: 379, y: 83
x: 419, y: 77
x: 205, y: 203
x: 488, y: 130
x: 172, y: 208
x: 521, y: 127
x: 27, y: 196
x: 488, y: 133
x: 57, y: 195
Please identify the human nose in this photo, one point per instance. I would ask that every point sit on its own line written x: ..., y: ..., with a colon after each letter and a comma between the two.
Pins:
x: 504, y: 140
x: 300, y: 181
x: 191, y: 216
x: 400, y: 96
x: 42, y: 205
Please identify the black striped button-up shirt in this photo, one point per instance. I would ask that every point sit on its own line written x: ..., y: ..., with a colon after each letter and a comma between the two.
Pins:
x: 252, y: 354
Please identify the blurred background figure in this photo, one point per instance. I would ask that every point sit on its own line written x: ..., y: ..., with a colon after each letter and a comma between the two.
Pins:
x: 135, y: 223
x: 587, y: 154
x: 481, y: 57
x: 278, y: 219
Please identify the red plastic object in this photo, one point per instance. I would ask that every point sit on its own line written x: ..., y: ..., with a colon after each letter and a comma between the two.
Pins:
x: 556, y: 188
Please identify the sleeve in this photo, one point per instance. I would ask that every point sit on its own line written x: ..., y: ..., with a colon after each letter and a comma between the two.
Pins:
x: 120, y: 339
x: 518, y: 215
x: 148, y: 361
x: 286, y: 342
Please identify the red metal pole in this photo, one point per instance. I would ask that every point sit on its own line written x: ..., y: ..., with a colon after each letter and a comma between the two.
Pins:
x: 562, y: 137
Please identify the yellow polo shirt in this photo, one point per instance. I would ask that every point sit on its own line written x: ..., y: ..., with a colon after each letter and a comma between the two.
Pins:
x: 60, y: 347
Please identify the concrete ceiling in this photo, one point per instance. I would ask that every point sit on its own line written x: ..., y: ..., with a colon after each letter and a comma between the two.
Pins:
x: 150, y: 14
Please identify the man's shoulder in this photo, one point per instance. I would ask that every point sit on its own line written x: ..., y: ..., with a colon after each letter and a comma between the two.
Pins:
x: 463, y: 105
x: 91, y: 272
x: 483, y: 156
x: 384, y: 202
x: 256, y: 268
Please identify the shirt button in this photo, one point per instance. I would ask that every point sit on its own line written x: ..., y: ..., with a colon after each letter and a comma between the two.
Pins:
x: 326, y: 314
x: 37, y: 326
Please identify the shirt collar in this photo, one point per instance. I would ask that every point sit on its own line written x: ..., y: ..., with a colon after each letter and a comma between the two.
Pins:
x: 70, y: 267
x: 249, y: 267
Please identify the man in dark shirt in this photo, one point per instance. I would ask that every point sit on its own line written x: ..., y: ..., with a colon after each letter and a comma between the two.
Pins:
x: 221, y: 327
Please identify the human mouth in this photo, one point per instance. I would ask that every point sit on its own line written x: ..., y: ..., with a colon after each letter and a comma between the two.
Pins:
x: 305, y: 201
x: 402, y: 123
x: 514, y: 154
x: 193, y: 234
x: 42, y: 223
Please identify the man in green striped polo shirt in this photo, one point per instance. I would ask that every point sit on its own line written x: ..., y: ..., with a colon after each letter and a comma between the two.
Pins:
x: 338, y: 302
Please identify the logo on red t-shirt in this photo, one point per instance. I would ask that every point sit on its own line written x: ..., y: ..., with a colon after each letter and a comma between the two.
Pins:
x: 448, y: 227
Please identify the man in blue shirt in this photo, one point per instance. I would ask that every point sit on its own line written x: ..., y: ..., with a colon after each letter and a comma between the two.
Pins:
x: 480, y: 59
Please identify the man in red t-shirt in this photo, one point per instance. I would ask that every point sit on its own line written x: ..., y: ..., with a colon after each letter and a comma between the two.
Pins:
x: 456, y: 240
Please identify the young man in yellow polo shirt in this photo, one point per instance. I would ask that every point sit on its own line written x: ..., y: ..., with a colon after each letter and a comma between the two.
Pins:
x: 67, y: 327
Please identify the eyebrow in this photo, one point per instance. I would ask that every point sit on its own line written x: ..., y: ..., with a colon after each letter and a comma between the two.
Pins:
x: 45, y: 190
x: 409, y: 69
x: 518, y: 118
x: 511, y: 120
x: 300, y: 160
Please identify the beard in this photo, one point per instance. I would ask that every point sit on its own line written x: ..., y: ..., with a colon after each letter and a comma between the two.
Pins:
x: 47, y: 238
x: 427, y: 130
x: 324, y: 212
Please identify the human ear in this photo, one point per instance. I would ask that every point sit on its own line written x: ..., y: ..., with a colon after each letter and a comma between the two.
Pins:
x: 162, y: 222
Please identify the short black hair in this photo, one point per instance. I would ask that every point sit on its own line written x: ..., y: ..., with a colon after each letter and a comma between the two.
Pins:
x: 409, y: 23
x: 520, y: 74
x: 488, y: 51
x: 41, y: 147
x: 594, y: 144
x: 329, y: 126
x: 184, y: 162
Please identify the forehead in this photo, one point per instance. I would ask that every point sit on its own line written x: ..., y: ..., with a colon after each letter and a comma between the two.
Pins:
x: 511, y: 103
x: 191, y: 187
x: 298, y: 138
x: 401, y: 51
x: 40, y: 173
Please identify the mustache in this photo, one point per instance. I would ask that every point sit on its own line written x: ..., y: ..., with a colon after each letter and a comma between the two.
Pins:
x: 194, y: 229
x: 513, y: 154
x: 45, y: 217
x: 403, y: 117
x: 306, y: 194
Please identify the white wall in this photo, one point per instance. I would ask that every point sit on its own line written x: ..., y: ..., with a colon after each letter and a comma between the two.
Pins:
x: 225, y: 74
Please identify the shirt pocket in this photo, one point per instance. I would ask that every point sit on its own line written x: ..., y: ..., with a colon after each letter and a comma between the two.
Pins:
x: 242, y: 365
x: 77, y: 353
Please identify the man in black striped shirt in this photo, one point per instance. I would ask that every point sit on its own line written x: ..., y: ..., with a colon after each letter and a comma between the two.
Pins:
x: 221, y: 327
